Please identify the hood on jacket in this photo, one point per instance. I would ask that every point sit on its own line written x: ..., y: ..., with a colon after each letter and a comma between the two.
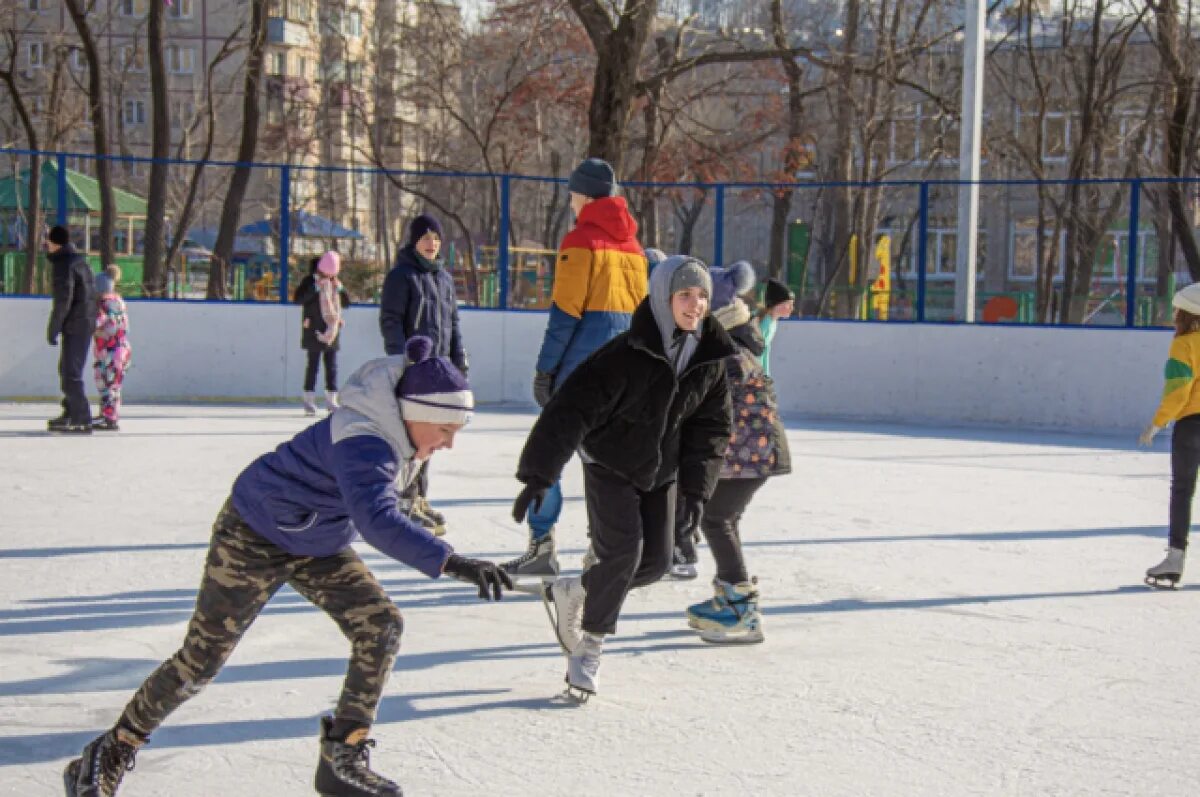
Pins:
x: 678, y: 345
x: 611, y: 215
x: 369, y: 406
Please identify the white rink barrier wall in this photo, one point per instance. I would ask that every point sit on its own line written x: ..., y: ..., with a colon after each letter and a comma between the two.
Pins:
x: 1078, y: 379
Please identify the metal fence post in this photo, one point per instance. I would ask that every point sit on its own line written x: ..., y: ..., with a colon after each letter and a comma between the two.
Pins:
x: 719, y: 231
x: 61, y: 213
x: 1135, y: 201
x: 285, y: 229
x: 502, y: 253
x: 922, y: 249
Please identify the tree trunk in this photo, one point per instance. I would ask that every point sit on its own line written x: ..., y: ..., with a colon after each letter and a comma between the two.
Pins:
x: 781, y: 209
x: 95, y: 91
x: 153, y: 271
x: 231, y: 210
x: 614, y: 83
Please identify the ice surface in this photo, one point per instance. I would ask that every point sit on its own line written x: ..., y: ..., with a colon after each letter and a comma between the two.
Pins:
x: 947, y: 612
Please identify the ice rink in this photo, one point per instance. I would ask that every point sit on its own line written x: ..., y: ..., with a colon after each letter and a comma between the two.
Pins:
x: 948, y: 612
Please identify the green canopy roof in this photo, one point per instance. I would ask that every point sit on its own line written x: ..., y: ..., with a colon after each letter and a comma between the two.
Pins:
x: 83, y: 193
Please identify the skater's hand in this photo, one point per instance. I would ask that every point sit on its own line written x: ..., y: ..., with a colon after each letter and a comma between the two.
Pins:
x: 543, y: 384
x: 693, y: 508
x: 52, y: 339
x: 1147, y: 436
x: 486, y: 575
x: 531, y: 494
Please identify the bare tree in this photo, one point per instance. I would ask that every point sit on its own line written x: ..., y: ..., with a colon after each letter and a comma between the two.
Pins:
x: 232, y: 208
x: 1174, y: 38
x: 153, y: 271
x: 80, y: 12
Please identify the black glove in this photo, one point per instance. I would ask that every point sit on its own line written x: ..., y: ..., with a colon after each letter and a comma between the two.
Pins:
x: 531, y: 494
x: 543, y: 385
x: 486, y: 575
x: 693, y: 508
x: 52, y: 338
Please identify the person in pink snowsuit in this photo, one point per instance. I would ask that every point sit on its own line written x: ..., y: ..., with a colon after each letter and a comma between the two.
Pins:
x: 111, y: 348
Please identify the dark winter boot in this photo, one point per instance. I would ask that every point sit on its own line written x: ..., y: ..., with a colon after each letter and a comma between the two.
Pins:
x: 345, y: 766
x: 99, y: 769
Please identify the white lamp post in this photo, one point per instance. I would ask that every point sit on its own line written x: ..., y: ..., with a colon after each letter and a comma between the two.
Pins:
x: 968, y: 160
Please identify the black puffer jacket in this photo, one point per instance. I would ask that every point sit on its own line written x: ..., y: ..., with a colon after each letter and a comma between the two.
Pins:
x: 74, y: 308
x: 629, y: 413
x: 419, y: 299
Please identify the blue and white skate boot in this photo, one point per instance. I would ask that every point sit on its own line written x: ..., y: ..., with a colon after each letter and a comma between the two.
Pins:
x: 583, y: 668
x: 731, y: 617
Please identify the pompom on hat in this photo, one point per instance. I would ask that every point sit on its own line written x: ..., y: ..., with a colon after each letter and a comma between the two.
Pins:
x: 431, y: 389
x: 730, y: 283
x: 1188, y: 299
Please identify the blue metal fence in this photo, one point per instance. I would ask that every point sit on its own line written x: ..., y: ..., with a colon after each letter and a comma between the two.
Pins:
x: 874, y: 289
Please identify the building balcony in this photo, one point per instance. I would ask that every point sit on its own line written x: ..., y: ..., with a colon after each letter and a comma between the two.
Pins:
x: 287, y: 33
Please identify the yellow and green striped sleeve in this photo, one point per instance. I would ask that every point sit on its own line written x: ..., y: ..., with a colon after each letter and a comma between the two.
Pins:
x: 1180, y: 375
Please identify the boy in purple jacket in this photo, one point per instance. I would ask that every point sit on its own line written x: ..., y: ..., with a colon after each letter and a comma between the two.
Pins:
x: 290, y: 520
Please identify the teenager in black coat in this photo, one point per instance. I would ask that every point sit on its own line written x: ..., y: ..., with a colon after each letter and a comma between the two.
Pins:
x: 649, y: 413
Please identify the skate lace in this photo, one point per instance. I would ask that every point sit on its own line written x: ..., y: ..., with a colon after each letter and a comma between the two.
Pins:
x: 355, y: 763
x: 116, y: 759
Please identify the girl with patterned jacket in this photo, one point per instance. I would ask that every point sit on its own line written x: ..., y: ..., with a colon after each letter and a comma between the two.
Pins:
x: 111, y: 348
x: 1180, y: 404
x: 757, y: 450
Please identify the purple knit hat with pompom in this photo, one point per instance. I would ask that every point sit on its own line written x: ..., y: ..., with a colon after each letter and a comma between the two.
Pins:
x: 431, y: 389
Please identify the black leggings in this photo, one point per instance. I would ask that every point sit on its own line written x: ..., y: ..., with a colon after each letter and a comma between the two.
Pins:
x: 722, y: 514
x: 1185, y: 459
x: 310, y: 374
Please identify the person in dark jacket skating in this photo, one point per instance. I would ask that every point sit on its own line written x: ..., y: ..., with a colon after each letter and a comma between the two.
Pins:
x: 758, y: 450
x: 73, y: 317
x: 323, y: 299
x: 649, y: 414
x: 419, y: 299
x: 290, y: 520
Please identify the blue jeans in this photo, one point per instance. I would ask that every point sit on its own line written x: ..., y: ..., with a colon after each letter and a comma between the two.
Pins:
x: 543, y: 518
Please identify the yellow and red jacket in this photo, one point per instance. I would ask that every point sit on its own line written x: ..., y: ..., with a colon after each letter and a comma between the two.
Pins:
x: 1180, y: 396
x: 600, y: 278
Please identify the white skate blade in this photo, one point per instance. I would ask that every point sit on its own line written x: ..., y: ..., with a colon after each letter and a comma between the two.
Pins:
x: 531, y: 585
x: 748, y: 637
x: 1162, y: 582
x: 576, y: 694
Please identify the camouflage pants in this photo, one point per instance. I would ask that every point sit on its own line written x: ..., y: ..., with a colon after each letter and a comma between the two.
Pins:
x: 242, y: 572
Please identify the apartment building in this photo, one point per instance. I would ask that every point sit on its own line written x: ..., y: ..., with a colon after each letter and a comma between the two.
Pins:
x: 332, y: 104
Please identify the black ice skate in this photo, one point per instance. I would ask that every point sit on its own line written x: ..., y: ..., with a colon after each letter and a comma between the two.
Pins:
x: 105, y: 425
x: 1166, y: 574
x: 99, y: 769
x: 345, y: 767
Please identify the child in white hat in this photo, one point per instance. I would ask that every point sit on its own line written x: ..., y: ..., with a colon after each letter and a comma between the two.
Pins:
x: 1181, y: 404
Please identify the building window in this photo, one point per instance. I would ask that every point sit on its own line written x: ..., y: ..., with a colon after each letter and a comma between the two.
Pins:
x: 181, y: 60
x: 34, y: 5
x: 135, y: 112
x: 180, y: 9
x: 182, y: 112
x: 277, y: 64
x: 1024, y: 260
x: 919, y: 136
x: 132, y: 58
x: 298, y: 10
x: 35, y: 52
x: 78, y: 59
x: 354, y: 23
x: 133, y: 8
x: 302, y: 67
